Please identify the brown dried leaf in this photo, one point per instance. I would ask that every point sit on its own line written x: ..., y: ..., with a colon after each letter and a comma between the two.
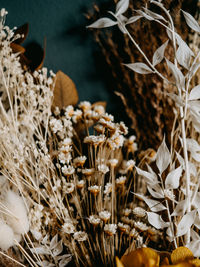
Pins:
x: 65, y: 92
x: 16, y: 48
x: 22, y: 30
x: 181, y: 254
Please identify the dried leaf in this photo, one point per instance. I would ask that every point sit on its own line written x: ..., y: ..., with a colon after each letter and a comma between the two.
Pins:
x: 65, y: 92
x: 156, y: 191
x: 150, y: 178
x: 195, y: 93
x: 173, y: 178
x: 159, y: 53
x: 194, y: 246
x: 163, y: 157
x: 154, y: 15
x: 139, y: 68
x: 133, y: 19
x: 121, y: 7
x: 141, y: 257
x: 154, y: 205
x: 186, y: 222
x: 23, y: 31
x: 143, y: 14
x: 156, y: 220
x: 180, y: 208
x: 16, y: 48
x: 181, y: 254
x: 103, y: 23
x: 184, y: 54
x: 191, y: 22
x: 194, y: 69
x: 178, y: 75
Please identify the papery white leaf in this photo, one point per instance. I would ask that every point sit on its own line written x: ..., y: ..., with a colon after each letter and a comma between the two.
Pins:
x: 154, y: 205
x: 150, y: 178
x: 180, y: 159
x: 191, y: 21
x: 57, y: 249
x: 194, y: 246
x: 163, y: 157
x: 103, y: 23
x: 64, y: 260
x: 121, y: 7
x: 197, y: 221
x: 178, y: 75
x: 180, y: 208
x: 45, y: 239
x: 184, y: 54
x: 194, y: 69
x: 156, y: 220
x: 156, y: 191
x: 194, y: 235
x: 186, y: 222
x: 192, y: 145
x: 192, y: 169
x: 54, y: 242
x: 143, y: 14
x: 133, y: 19
x: 159, y: 54
x: 154, y: 15
x: 173, y: 178
x: 195, y: 93
x: 139, y: 68
x: 196, y: 201
x: 170, y: 234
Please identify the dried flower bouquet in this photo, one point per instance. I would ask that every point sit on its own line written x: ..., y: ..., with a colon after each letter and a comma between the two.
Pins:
x: 70, y: 190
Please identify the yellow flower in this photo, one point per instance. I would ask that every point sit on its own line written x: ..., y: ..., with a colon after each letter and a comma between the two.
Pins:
x: 147, y: 257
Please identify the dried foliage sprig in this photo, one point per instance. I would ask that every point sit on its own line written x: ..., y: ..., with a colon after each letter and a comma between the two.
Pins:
x: 142, y: 96
x: 173, y: 175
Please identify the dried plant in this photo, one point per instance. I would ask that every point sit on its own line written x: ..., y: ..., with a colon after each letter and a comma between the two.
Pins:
x: 70, y: 190
x: 66, y: 174
x: 173, y: 183
x: 141, y: 96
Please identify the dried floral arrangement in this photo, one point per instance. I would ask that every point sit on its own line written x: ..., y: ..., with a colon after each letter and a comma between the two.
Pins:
x: 144, y: 102
x: 74, y: 189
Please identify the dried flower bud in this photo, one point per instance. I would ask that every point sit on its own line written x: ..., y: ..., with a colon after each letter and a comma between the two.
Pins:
x: 110, y: 229
x: 80, y: 236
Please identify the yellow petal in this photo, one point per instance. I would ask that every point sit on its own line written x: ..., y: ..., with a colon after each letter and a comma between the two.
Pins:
x: 181, y: 254
x: 141, y: 257
x: 118, y: 262
x: 196, y: 262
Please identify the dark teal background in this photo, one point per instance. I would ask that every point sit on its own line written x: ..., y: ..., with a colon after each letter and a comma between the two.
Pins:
x: 70, y: 46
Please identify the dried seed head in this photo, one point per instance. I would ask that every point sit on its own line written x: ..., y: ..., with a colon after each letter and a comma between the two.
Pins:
x: 124, y: 228
x: 95, y: 189
x: 94, y: 220
x: 110, y: 229
x: 139, y: 212
x: 80, y: 236
x: 104, y: 215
